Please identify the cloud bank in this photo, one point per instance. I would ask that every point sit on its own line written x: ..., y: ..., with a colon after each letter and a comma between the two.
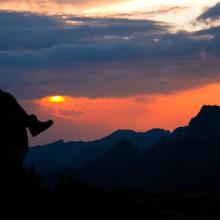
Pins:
x: 55, y: 6
x: 102, y: 57
x: 212, y: 13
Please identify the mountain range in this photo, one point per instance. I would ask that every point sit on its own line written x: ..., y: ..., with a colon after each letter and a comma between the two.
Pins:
x: 60, y: 155
x: 153, y: 160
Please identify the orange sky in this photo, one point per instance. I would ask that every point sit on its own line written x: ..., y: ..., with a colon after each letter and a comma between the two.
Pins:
x: 140, y: 8
x: 139, y: 56
x: 84, y: 118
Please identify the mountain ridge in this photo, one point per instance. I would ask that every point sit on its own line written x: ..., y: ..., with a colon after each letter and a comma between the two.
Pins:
x: 182, y: 159
x: 74, y: 154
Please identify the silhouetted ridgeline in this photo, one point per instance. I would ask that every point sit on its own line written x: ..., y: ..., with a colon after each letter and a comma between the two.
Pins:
x: 157, y: 173
x: 188, y: 157
x: 60, y: 155
x: 154, y: 160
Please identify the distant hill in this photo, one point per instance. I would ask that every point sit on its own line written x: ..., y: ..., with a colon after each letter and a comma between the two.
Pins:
x: 118, y: 158
x: 153, y: 160
x: 61, y: 155
x: 190, y: 156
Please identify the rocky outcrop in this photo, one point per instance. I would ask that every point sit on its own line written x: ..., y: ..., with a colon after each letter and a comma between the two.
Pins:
x: 206, y: 124
x: 13, y: 140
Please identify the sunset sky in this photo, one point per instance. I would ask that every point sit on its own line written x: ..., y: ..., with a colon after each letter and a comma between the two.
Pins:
x: 96, y: 66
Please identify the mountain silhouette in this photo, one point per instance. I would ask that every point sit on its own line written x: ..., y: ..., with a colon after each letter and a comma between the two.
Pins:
x: 206, y: 124
x: 61, y: 155
x: 152, y: 160
x: 187, y: 157
x: 117, y: 158
x: 185, y: 161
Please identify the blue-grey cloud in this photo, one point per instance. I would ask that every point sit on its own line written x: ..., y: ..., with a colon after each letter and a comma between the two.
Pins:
x: 27, y: 20
x: 212, y: 13
x: 28, y: 31
x: 96, y: 57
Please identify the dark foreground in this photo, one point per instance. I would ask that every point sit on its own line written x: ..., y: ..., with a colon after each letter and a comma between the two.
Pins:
x: 189, y: 157
x: 24, y: 192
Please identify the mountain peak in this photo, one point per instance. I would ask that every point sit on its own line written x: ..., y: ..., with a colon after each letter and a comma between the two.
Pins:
x: 206, y: 123
x: 206, y: 108
x: 157, y: 131
x: 123, y: 131
x: 208, y: 114
x: 124, y: 146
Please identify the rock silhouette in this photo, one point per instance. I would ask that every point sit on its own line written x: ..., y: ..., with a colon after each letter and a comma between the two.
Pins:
x: 16, y: 181
x: 13, y: 134
x: 206, y: 124
x: 13, y: 139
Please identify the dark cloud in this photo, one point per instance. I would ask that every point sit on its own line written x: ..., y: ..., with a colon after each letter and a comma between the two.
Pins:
x: 212, y: 13
x: 28, y: 31
x: 97, y: 57
x: 27, y: 20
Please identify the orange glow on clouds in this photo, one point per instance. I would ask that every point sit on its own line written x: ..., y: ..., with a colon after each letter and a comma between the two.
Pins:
x: 139, y: 112
x: 139, y: 8
x: 56, y: 7
x: 88, y: 119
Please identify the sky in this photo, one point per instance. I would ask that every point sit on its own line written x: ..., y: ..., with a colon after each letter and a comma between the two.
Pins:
x: 118, y: 64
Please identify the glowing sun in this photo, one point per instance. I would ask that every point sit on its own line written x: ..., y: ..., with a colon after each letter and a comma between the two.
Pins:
x: 57, y: 99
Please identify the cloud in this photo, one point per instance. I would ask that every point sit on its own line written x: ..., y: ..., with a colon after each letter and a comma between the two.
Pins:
x: 32, y: 31
x: 212, y: 13
x: 27, y: 20
x: 74, y: 113
x: 101, y: 57
x: 55, y: 6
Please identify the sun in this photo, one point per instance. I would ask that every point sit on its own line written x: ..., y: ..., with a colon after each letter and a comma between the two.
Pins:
x: 57, y: 99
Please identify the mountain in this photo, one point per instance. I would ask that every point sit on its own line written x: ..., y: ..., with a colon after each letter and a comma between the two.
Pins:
x: 190, y: 156
x: 53, y: 157
x: 61, y: 155
x: 117, y: 158
x: 206, y: 124
x: 142, y: 140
